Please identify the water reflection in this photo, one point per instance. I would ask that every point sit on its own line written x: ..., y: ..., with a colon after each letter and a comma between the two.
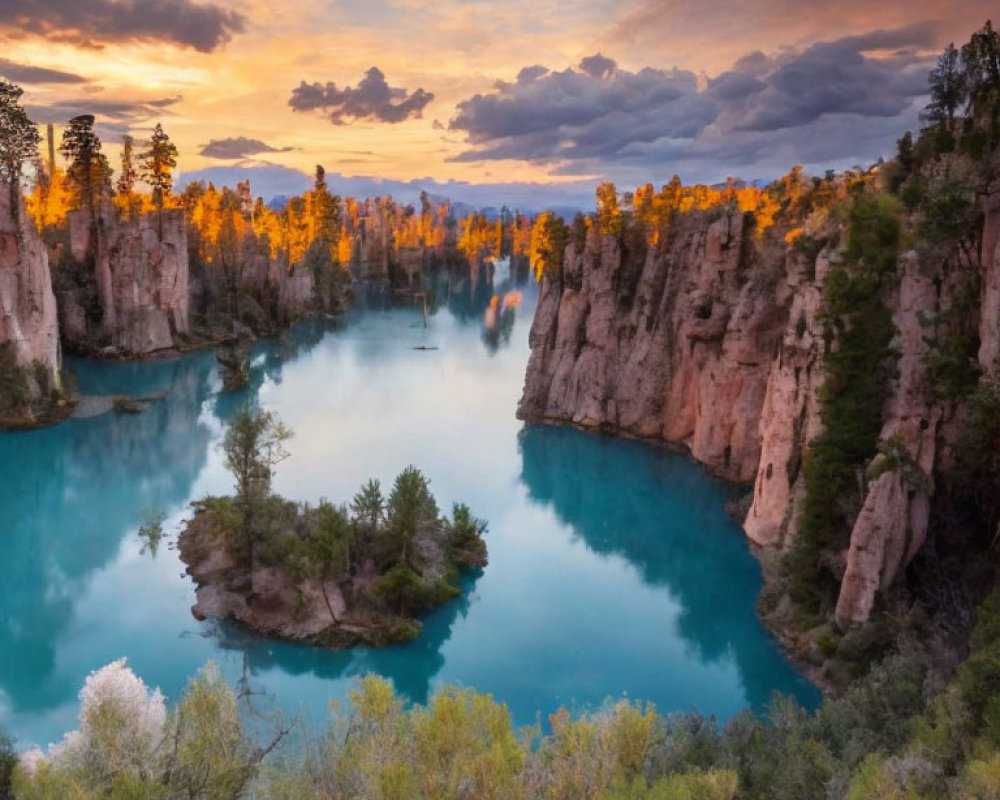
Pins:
x: 70, y: 494
x: 612, y: 568
x: 411, y: 667
x: 667, y: 519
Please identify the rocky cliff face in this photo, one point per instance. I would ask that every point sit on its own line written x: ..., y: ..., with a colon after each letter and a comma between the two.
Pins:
x: 266, y: 295
x: 28, y: 318
x: 989, y: 328
x: 140, y: 271
x: 713, y: 341
x: 676, y: 345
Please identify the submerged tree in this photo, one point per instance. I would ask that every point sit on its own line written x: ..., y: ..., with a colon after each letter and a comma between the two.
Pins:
x: 151, y: 531
x: 158, y: 164
x: 19, y: 140
x: 253, y: 445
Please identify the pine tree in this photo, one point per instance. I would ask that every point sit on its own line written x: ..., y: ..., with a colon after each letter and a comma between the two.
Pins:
x: 949, y: 89
x: 326, y: 210
x: 19, y: 140
x: 158, y: 163
x: 89, y: 173
x: 981, y: 57
x: 128, y: 176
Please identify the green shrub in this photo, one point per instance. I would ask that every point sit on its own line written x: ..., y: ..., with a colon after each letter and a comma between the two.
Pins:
x: 8, y: 762
x: 15, y: 390
x: 851, y: 399
x: 979, y: 676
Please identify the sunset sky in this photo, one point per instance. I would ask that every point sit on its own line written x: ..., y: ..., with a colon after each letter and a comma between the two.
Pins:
x: 489, y: 92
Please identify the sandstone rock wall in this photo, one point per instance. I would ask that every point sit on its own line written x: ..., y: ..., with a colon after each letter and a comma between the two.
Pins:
x: 141, y: 275
x: 293, y: 289
x: 28, y: 316
x: 892, y: 525
x: 719, y: 348
x: 269, y: 295
x: 989, y: 321
x: 680, y: 351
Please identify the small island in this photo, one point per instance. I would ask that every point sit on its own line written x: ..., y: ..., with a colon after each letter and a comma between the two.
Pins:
x: 334, y: 576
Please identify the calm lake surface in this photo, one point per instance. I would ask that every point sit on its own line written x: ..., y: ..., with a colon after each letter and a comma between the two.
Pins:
x: 613, y: 571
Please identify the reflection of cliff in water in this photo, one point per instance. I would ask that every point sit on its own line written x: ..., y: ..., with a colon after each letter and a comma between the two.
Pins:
x: 269, y: 357
x: 70, y: 494
x: 666, y: 517
x: 411, y: 666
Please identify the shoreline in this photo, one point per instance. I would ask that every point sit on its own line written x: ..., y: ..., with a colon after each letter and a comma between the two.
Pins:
x: 784, y: 634
x: 59, y: 413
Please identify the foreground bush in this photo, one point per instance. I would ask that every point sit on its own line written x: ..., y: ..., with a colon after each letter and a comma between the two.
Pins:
x: 882, y: 739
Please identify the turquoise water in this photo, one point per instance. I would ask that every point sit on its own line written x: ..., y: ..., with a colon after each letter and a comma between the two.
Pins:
x: 613, y: 569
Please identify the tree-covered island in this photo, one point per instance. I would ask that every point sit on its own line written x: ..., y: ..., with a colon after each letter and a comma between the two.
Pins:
x: 335, y: 576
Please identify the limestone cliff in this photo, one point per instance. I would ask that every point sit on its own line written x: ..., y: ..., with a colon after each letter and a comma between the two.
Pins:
x: 714, y: 339
x: 137, y: 272
x: 258, y: 290
x: 675, y: 344
x: 28, y: 317
x: 989, y: 351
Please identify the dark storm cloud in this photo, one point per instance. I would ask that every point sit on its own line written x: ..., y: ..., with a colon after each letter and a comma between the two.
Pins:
x: 598, y: 115
x: 203, y: 26
x: 239, y: 147
x: 919, y: 34
x: 107, y: 112
x: 372, y: 99
x: 573, y: 113
x: 598, y: 66
x: 528, y: 74
x: 829, y: 78
x: 22, y: 73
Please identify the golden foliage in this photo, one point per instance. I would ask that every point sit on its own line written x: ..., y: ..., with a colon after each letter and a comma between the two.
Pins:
x: 51, y: 199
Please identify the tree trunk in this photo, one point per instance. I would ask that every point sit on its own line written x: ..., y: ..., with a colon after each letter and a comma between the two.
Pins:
x: 326, y: 599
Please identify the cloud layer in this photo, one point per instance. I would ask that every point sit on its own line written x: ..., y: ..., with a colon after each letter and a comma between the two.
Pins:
x: 109, y: 112
x: 238, y: 147
x: 373, y: 99
x: 597, y: 116
x: 23, y: 73
x: 96, y: 22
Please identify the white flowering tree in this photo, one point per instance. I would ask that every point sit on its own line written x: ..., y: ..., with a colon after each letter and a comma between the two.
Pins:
x: 128, y: 746
x: 122, y: 726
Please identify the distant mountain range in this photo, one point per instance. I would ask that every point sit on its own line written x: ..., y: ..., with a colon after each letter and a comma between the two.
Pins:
x: 276, y: 184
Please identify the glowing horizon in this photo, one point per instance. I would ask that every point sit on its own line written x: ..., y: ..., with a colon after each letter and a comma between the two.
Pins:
x: 702, y: 91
